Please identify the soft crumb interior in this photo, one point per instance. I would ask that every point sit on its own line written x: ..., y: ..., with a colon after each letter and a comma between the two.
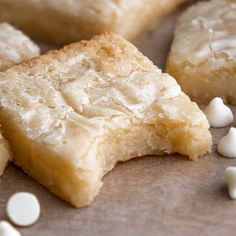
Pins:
x: 80, y: 185
x: 203, y: 84
x: 5, y: 154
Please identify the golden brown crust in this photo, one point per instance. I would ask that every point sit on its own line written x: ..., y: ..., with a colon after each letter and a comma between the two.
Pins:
x: 119, y: 49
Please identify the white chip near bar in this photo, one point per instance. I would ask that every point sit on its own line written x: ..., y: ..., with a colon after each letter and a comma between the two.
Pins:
x: 7, y: 229
x: 23, y: 208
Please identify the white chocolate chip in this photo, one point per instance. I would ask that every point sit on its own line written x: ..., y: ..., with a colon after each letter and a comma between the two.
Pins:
x: 218, y: 114
x: 227, y: 145
x: 23, y: 209
x: 7, y: 229
x: 230, y: 176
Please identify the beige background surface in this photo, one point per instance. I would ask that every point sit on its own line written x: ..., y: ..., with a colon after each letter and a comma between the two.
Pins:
x: 148, y: 196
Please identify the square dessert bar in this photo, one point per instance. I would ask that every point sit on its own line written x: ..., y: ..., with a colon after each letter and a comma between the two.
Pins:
x: 65, y: 21
x: 72, y: 114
